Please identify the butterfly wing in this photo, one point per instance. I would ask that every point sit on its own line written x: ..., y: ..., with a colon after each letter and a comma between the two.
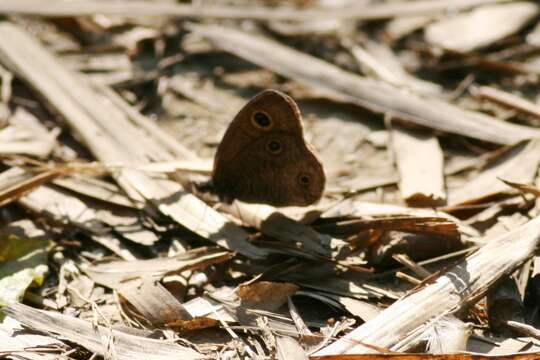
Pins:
x: 263, y: 157
x: 268, y: 111
x: 290, y: 176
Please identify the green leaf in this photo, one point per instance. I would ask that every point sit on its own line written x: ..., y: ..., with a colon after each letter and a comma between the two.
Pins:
x: 23, y: 262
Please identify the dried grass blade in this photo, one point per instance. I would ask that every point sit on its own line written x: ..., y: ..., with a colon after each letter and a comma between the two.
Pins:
x: 108, y: 134
x: 139, y: 8
x: 518, y: 165
x: 374, y: 95
x: 84, y: 333
x: 420, y: 161
x: 17, y: 191
x: 461, y: 285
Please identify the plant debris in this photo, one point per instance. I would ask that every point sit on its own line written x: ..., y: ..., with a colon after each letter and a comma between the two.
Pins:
x: 423, y: 246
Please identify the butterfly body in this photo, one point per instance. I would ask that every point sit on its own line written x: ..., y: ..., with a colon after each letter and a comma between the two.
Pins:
x: 263, y: 157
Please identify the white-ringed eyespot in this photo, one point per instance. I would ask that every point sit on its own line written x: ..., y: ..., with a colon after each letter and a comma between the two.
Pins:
x: 261, y: 120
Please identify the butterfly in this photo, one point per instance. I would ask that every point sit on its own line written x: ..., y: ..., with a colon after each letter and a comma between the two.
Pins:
x: 264, y: 158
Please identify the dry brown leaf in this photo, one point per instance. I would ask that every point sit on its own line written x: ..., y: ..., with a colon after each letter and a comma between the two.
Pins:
x: 265, y: 295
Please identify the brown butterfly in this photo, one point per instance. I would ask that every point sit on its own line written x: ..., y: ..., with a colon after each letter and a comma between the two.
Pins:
x: 263, y: 157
